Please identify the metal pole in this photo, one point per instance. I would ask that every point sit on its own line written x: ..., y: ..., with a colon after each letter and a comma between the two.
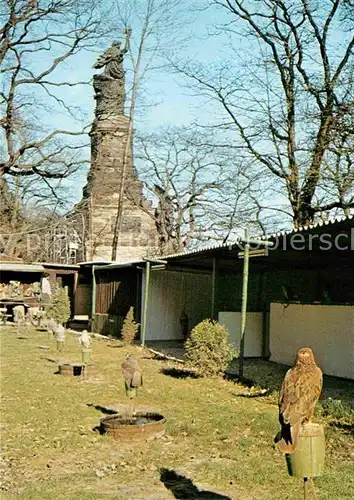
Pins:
x: 306, y: 488
x: 93, y: 301
x: 244, y: 303
x: 213, y: 283
x: 76, y: 279
x: 146, y: 295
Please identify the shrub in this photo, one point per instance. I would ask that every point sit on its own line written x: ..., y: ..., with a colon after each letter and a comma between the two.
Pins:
x: 130, y: 327
x: 59, y: 308
x: 336, y: 411
x: 208, y: 350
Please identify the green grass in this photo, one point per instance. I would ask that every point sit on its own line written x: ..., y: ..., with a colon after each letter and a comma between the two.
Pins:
x: 220, y: 441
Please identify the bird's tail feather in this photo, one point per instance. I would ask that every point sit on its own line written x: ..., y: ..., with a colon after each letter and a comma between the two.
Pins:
x: 287, y: 438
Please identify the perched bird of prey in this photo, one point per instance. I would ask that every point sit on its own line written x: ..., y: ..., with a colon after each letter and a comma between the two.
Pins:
x: 299, y: 393
x: 84, y: 340
x: 132, y: 375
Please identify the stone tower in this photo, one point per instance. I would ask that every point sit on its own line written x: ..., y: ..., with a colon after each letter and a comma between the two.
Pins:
x: 111, y: 153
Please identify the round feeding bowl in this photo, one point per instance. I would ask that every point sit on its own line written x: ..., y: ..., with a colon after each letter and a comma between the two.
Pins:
x: 138, y: 426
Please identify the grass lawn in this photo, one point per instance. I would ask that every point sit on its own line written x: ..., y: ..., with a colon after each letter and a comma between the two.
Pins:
x: 218, y: 444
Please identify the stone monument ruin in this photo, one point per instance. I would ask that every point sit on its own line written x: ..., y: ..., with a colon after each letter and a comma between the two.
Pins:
x: 109, y: 144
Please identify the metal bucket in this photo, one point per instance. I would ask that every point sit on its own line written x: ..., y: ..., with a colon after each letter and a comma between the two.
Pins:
x: 309, y: 457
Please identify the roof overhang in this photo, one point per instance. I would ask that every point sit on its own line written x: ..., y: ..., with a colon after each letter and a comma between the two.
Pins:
x: 22, y: 268
x: 121, y: 265
x: 60, y: 266
x: 91, y: 263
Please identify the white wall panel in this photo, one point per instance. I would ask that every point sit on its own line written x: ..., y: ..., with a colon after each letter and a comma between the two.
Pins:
x: 253, y: 335
x: 169, y: 294
x: 328, y: 330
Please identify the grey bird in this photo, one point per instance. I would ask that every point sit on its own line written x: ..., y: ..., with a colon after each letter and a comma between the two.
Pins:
x: 132, y: 375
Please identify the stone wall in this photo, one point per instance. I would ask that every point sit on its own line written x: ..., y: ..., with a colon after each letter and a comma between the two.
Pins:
x: 109, y: 137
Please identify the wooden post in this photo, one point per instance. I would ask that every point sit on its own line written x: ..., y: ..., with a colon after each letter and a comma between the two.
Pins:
x: 60, y: 345
x: 146, y: 296
x: 245, y: 255
x: 308, y: 460
x: 86, y: 356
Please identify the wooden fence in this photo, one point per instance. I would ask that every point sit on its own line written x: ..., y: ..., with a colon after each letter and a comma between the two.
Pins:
x: 83, y: 300
x: 107, y: 295
x: 106, y: 324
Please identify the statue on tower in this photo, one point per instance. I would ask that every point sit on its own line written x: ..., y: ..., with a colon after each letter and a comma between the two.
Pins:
x: 109, y: 86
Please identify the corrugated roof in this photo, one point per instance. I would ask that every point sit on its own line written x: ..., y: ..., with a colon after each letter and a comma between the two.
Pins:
x: 216, y: 246
x: 270, y: 236
x: 330, y: 222
x: 22, y: 268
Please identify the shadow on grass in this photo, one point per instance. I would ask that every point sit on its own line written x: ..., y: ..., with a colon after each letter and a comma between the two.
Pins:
x: 51, y: 360
x: 257, y: 394
x: 99, y: 429
x: 183, y: 488
x: 268, y: 376
x: 103, y: 409
x: 348, y: 428
x: 179, y: 373
x: 247, y: 382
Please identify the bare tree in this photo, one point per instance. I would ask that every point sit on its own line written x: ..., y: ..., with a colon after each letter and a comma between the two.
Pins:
x: 37, y: 39
x: 189, y: 181
x: 286, y: 98
x: 337, y: 175
x: 41, y: 236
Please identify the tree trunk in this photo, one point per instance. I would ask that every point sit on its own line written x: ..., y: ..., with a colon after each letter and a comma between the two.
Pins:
x: 303, y: 214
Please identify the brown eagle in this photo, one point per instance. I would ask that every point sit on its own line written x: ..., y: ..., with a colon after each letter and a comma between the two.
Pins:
x: 299, y: 393
x: 132, y: 375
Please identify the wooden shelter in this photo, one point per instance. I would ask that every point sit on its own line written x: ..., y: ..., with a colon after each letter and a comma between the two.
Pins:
x: 302, y: 292
x: 20, y: 283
